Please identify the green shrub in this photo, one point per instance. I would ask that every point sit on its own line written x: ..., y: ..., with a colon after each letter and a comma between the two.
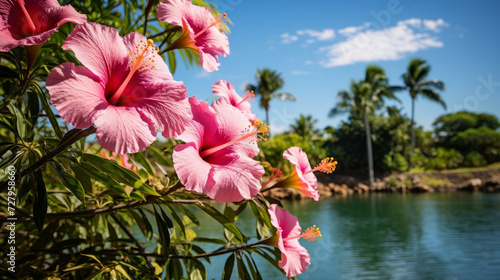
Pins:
x: 474, y: 159
x: 395, y: 162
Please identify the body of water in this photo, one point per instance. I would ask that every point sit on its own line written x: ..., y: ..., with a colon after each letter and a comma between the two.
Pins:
x: 450, y: 236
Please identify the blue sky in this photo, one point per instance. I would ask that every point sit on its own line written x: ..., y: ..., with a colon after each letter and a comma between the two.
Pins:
x: 320, y: 47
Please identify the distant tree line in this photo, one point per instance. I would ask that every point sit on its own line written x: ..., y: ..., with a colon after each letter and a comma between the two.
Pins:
x: 388, y: 140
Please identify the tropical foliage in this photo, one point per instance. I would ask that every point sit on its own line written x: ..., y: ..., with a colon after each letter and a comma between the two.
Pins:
x: 134, y: 211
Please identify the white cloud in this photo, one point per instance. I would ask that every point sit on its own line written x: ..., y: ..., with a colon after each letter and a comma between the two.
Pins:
x: 325, y: 35
x: 314, y: 35
x: 287, y: 38
x: 350, y: 30
x: 309, y: 62
x: 391, y: 43
x: 435, y: 25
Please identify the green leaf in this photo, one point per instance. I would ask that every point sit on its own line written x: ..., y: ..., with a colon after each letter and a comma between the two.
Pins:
x: 159, y: 156
x: 253, y: 267
x: 100, y: 176
x: 242, y: 270
x: 177, y: 219
x: 119, y: 173
x: 20, y: 121
x: 48, y: 110
x: 227, y: 224
x: 69, y: 181
x: 27, y: 183
x: 7, y: 73
x: 172, y: 62
x: 40, y: 202
x: 82, y: 177
x: 228, y: 268
x: 165, y: 228
x: 141, y: 161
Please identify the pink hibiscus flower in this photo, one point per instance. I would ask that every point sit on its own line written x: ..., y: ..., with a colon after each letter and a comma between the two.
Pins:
x: 199, y: 31
x: 302, y: 177
x: 124, y: 88
x: 294, y: 258
x: 216, y: 158
x: 226, y: 90
x: 31, y: 22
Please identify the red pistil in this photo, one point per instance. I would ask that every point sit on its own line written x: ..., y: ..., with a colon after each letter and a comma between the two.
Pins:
x: 31, y: 25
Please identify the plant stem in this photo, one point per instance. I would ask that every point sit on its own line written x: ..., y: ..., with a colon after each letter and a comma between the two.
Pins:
x: 205, y: 255
x: 95, y: 211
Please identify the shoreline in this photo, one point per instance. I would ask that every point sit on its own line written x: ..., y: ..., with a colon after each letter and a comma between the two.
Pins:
x: 474, y: 180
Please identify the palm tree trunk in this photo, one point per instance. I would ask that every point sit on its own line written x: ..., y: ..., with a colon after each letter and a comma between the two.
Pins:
x: 369, y: 148
x: 412, y: 132
x: 267, y: 116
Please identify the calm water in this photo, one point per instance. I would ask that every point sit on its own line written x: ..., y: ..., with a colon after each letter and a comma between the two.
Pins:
x: 451, y: 236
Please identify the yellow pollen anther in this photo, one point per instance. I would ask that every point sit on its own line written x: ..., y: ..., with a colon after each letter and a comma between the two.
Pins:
x: 327, y: 165
x: 312, y: 233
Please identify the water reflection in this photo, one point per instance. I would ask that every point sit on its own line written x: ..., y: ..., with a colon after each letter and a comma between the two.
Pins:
x: 426, y: 236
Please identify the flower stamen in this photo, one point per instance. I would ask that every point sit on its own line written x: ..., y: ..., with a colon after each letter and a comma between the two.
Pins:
x: 275, y: 174
x: 249, y: 95
x: 31, y: 25
x: 258, y: 130
x: 310, y: 234
x: 221, y: 19
x: 141, y: 57
x: 327, y: 166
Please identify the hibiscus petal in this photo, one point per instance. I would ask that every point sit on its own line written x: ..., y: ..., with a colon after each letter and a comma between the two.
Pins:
x: 172, y: 11
x: 7, y: 42
x: 76, y: 93
x: 99, y: 48
x: 59, y: 15
x: 124, y: 130
x: 226, y: 90
x: 203, y: 117
x: 194, y: 173
x: 231, y: 123
x: 165, y: 103
x: 281, y: 218
x: 294, y: 258
x: 235, y: 180
x: 297, y: 157
x: 147, y: 74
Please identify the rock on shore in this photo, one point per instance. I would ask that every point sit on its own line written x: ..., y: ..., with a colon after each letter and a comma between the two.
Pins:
x: 332, y: 184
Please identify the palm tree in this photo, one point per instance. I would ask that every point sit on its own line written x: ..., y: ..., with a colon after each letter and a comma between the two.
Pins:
x: 362, y: 99
x: 304, y: 126
x: 416, y: 82
x: 268, y: 82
